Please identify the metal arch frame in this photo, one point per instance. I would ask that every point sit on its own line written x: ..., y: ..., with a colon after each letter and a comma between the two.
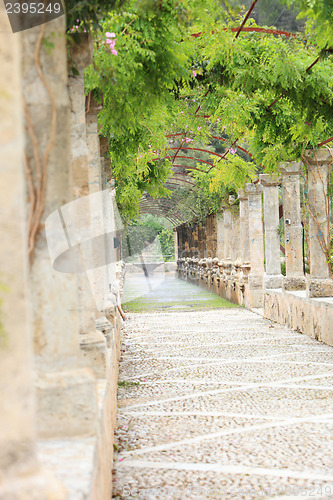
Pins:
x: 166, y: 212
x: 159, y: 204
x: 174, y: 222
x: 198, y: 149
x: 175, y: 216
x: 187, y: 167
x: 214, y: 137
x: 165, y: 203
x: 181, y: 180
x: 166, y: 199
x: 256, y: 29
x: 189, y: 158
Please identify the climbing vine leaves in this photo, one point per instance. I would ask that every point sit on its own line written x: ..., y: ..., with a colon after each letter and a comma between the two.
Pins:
x: 165, y: 90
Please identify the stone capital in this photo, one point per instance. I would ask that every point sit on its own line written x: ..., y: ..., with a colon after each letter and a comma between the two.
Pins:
x: 253, y: 189
x: 241, y: 195
x: 294, y: 283
x: 318, y: 158
x: 268, y: 180
x: 290, y: 168
x: 319, y: 287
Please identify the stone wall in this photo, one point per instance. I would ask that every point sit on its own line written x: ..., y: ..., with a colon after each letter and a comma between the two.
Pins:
x: 60, y: 310
x: 198, y: 239
x: 301, y: 313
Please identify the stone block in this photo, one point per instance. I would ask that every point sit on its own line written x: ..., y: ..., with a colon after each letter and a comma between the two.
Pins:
x: 94, y: 348
x: 293, y: 283
x: 312, y: 317
x: 270, y: 180
x: 107, y: 328
x: 66, y: 404
x: 255, y: 281
x: 273, y: 281
x: 319, y: 288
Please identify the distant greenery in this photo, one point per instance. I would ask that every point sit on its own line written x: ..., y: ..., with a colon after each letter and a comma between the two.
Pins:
x: 276, y: 13
x: 319, y: 25
x: 142, y: 232
x: 89, y: 14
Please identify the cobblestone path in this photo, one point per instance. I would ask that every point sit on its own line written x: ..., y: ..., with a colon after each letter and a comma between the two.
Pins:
x: 222, y: 404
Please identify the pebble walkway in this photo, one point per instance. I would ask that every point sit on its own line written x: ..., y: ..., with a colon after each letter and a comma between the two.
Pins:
x: 222, y: 404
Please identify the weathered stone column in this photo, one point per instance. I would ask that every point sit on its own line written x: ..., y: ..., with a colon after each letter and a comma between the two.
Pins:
x: 256, y: 243
x: 98, y: 277
x: 109, y: 220
x: 92, y: 342
x: 294, y: 279
x: 227, y: 233
x: 244, y: 226
x: 320, y: 283
x: 236, y: 248
x: 66, y: 392
x: 211, y: 237
x: 273, y: 277
x: 20, y: 474
x: 220, y: 236
x: 234, y: 230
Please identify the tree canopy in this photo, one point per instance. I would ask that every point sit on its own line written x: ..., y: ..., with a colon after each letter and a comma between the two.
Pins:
x: 180, y: 85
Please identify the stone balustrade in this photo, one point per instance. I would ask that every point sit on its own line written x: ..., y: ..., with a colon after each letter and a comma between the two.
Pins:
x: 224, y: 277
x: 246, y: 268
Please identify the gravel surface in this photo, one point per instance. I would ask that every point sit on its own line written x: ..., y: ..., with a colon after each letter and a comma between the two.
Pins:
x: 222, y: 404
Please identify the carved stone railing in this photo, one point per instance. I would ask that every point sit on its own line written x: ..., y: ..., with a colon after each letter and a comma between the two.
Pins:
x: 225, y: 277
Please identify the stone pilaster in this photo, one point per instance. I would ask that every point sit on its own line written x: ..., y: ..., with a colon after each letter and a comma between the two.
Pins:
x: 320, y: 283
x: 220, y: 236
x: 273, y: 277
x: 109, y: 207
x: 92, y: 342
x: 20, y: 474
x: 227, y: 233
x: 244, y: 226
x: 98, y: 277
x: 294, y: 279
x: 236, y: 244
x: 256, y: 243
x: 235, y: 230
x: 66, y: 392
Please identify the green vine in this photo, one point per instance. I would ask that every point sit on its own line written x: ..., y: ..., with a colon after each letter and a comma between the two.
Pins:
x: 258, y: 91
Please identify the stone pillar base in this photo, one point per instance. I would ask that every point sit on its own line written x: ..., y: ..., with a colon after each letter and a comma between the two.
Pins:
x: 319, y: 287
x: 273, y: 281
x: 40, y: 486
x: 294, y: 283
x: 255, y: 290
x: 94, y: 348
x: 66, y: 404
